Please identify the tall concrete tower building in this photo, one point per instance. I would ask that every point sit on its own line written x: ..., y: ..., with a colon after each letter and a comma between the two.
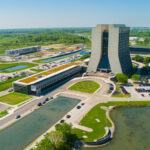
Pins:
x: 110, y: 49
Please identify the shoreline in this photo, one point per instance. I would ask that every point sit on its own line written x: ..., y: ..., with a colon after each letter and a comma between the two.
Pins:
x: 112, y: 128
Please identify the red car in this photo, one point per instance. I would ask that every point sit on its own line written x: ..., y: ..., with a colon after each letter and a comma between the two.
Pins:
x: 142, y: 95
x: 68, y: 116
x: 83, y: 104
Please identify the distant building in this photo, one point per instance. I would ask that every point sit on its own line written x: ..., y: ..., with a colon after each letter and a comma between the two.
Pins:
x: 133, y: 38
x: 22, y: 51
x: 110, y: 49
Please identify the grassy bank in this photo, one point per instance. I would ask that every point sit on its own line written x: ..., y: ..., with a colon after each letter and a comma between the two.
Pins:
x: 3, y: 113
x: 14, y: 98
x: 6, y: 66
x: 97, y: 113
x: 85, y: 86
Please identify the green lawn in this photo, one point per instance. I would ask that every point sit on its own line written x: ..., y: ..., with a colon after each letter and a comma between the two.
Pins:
x: 97, y: 113
x: 8, y: 83
x: 14, y: 98
x: 85, y: 86
x: 3, y: 113
x: 5, y: 66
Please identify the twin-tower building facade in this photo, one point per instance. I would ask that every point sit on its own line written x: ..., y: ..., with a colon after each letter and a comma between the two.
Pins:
x: 110, y: 49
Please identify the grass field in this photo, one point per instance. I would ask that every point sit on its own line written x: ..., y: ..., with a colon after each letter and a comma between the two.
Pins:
x: 3, y: 113
x: 85, y: 86
x: 8, y: 83
x: 97, y: 113
x: 5, y: 66
x: 14, y: 98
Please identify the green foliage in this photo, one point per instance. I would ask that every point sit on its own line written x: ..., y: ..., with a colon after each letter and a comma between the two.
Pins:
x: 139, y: 58
x: 64, y: 128
x: 18, y: 39
x: 14, y: 98
x: 135, y: 77
x: 85, y: 86
x: 3, y: 113
x: 140, y: 33
x: 147, y: 60
x: 122, y: 78
x: 61, y: 139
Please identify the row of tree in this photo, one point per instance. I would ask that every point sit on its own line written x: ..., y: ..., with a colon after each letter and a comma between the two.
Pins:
x: 139, y: 58
x: 122, y: 78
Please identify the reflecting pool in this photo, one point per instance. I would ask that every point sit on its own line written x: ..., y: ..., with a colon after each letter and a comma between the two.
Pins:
x: 26, y: 130
x: 14, y: 68
x: 60, y: 57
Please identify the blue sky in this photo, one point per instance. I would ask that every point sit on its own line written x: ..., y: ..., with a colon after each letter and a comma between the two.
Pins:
x: 73, y: 13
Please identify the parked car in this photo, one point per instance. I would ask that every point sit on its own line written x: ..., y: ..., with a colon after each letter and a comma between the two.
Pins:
x: 51, y: 97
x: 18, y: 116
x: 43, y: 102
x: 10, y: 90
x: 78, y: 107
x: 39, y: 104
x: 47, y: 99
x: 61, y: 121
x: 82, y: 104
x: 68, y: 116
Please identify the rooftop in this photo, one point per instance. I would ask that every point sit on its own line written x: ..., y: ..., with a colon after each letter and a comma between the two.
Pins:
x: 37, y: 76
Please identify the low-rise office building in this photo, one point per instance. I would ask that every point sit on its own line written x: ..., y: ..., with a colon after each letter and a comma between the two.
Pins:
x: 22, y: 51
x: 47, y: 80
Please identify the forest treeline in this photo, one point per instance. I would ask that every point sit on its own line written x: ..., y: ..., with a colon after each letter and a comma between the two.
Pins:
x: 10, y: 39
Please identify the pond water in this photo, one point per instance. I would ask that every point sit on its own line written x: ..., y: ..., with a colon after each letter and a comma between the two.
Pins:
x: 14, y: 68
x: 59, y: 57
x: 26, y: 130
x: 132, y: 130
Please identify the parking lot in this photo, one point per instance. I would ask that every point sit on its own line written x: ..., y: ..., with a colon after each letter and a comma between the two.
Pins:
x: 138, y: 91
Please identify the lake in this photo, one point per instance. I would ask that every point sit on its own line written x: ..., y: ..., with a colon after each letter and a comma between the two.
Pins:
x: 132, y: 130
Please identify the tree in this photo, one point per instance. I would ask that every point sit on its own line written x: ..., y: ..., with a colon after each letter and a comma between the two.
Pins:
x: 138, y: 58
x: 64, y: 128
x: 122, y: 78
x: 61, y: 139
x: 135, y: 77
x: 56, y: 138
x: 147, y: 60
